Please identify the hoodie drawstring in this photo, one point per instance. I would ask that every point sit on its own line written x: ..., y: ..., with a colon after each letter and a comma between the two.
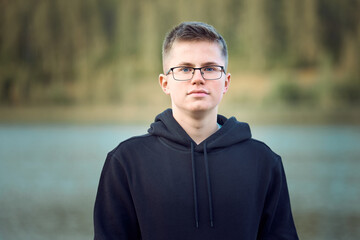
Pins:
x: 208, y: 186
x: 196, y: 209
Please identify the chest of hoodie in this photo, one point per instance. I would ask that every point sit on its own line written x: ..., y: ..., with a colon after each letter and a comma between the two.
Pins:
x: 161, y: 181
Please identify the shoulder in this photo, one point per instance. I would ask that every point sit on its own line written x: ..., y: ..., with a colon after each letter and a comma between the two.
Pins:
x: 132, y: 143
x: 261, y: 146
x: 263, y: 152
x: 126, y: 150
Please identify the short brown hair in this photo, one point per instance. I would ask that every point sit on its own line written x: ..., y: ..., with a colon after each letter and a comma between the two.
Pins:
x: 194, y: 31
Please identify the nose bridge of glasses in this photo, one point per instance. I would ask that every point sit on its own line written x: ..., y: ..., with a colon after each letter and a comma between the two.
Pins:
x: 197, y: 78
x: 201, y: 70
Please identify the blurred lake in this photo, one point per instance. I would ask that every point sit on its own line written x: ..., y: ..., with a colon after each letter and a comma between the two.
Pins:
x: 49, y: 176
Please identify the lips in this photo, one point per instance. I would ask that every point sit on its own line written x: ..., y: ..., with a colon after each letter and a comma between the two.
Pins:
x: 198, y: 92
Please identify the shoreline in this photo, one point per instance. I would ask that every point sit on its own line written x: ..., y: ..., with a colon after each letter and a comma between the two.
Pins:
x: 145, y: 114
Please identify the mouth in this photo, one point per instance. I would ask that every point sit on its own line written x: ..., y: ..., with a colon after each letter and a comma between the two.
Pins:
x: 198, y: 92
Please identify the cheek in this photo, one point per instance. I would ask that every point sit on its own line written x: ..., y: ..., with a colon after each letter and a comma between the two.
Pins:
x: 220, y: 88
x: 219, y: 93
x: 220, y: 96
x: 174, y: 91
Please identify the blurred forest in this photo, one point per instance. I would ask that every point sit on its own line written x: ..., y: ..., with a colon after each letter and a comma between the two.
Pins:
x: 108, y: 52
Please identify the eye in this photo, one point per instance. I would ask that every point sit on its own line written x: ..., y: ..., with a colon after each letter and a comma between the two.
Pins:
x: 185, y: 69
x: 209, y: 69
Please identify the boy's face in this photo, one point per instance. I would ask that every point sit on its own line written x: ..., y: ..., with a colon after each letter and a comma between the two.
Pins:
x: 197, y: 94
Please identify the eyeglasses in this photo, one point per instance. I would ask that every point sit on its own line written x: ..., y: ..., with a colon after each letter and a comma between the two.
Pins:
x: 187, y: 73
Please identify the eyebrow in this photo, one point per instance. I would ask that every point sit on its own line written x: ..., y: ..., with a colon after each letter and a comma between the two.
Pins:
x: 187, y: 64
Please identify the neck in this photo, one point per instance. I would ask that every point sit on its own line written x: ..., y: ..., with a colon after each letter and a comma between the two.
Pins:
x: 198, y: 126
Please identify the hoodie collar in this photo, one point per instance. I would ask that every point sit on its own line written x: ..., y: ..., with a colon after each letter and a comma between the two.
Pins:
x: 230, y: 133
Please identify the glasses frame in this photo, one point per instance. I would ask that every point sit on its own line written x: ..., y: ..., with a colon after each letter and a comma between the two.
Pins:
x: 193, y: 72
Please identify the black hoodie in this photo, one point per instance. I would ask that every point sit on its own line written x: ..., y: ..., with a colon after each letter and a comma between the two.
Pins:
x: 163, y: 186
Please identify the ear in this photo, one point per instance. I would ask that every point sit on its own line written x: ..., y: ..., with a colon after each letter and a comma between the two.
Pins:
x: 227, y: 82
x: 163, y: 81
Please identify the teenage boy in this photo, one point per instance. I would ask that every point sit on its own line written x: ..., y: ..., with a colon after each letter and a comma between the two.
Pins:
x: 196, y: 174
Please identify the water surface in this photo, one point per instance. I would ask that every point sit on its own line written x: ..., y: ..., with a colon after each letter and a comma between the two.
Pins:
x: 49, y: 176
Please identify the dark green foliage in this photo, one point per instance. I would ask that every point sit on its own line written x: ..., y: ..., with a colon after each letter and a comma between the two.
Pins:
x: 291, y: 93
x: 81, y: 44
x: 347, y: 92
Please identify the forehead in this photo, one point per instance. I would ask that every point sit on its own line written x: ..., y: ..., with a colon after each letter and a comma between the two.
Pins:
x: 195, y: 52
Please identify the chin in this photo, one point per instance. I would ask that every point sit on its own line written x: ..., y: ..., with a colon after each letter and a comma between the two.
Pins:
x: 201, y: 108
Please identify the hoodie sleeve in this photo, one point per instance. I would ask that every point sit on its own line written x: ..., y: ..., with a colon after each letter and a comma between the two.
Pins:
x: 114, y: 212
x: 277, y: 220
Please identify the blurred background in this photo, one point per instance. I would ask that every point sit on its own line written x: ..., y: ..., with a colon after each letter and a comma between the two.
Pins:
x: 77, y: 77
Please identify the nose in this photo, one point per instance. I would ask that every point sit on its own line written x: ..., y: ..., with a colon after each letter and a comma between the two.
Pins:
x: 197, y: 77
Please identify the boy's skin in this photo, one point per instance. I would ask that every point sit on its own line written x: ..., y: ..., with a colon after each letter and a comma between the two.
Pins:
x: 195, y: 102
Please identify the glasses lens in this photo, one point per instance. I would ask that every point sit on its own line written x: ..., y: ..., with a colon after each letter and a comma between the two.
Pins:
x: 183, y: 73
x: 211, y: 72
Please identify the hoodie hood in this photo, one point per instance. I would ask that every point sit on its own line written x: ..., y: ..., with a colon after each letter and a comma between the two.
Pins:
x: 231, y: 132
